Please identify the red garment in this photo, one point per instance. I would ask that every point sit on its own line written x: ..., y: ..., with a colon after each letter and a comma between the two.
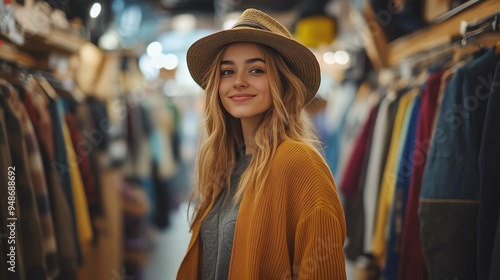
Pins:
x: 352, y: 177
x: 83, y: 149
x: 40, y: 117
x: 412, y: 265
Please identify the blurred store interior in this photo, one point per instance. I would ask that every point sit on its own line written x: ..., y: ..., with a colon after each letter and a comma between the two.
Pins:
x: 101, y: 119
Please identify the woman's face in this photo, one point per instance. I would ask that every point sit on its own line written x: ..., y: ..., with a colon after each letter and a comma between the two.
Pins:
x: 244, y: 82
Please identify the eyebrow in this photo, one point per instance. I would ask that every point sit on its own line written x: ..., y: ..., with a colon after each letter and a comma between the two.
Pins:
x: 248, y: 61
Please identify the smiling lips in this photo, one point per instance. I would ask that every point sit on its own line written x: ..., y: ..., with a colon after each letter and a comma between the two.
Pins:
x: 241, y: 97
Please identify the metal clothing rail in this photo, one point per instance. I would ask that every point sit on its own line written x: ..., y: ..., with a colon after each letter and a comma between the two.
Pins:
x: 470, y: 30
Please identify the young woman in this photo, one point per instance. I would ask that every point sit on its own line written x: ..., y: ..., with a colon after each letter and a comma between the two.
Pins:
x: 265, y: 202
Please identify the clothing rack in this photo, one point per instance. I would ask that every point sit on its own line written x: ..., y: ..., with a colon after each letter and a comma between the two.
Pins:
x: 473, y: 29
x: 384, y: 54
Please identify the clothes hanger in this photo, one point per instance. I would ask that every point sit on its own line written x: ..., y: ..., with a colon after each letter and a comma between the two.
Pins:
x: 55, y: 88
x: 482, y: 28
x: 45, y: 86
x: 12, y: 73
x: 37, y: 92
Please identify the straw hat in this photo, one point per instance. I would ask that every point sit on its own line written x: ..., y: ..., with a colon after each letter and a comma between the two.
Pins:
x: 255, y: 26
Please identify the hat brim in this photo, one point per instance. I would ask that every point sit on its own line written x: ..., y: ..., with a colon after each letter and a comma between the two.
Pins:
x: 299, y: 58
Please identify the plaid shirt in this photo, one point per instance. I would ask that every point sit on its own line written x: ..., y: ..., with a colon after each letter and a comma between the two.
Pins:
x: 37, y: 174
x: 37, y: 107
x: 32, y: 240
x: 5, y: 162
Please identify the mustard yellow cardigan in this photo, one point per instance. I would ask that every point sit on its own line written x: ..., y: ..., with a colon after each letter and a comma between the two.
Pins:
x: 295, y: 230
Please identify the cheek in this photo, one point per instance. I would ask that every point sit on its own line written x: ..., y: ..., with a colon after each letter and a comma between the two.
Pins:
x: 269, y: 101
x: 267, y: 98
x: 224, y: 87
x: 221, y: 92
x: 223, y: 101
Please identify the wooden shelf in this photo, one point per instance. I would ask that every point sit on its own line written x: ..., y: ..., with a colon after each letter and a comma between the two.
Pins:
x: 35, y: 50
x: 390, y: 54
x: 11, y: 53
x: 56, y: 41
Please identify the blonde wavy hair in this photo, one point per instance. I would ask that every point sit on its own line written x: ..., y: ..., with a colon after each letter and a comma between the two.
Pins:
x: 284, y: 121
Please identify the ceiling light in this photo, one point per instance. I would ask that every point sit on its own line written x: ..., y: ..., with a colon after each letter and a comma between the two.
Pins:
x: 159, y: 61
x: 341, y: 57
x: 154, y: 49
x: 95, y: 10
x: 109, y: 41
x: 329, y: 58
x: 171, y: 61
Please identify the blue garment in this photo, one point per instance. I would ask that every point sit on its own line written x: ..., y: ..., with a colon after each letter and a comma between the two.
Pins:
x: 495, y: 254
x: 489, y: 180
x: 344, y: 100
x: 405, y: 170
x: 332, y: 147
x: 450, y: 184
x: 148, y: 185
x: 61, y: 166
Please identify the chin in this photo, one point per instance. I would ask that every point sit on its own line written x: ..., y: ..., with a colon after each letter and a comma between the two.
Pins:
x: 240, y: 115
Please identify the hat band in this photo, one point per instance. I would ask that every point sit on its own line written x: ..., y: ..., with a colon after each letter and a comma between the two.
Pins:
x: 250, y: 24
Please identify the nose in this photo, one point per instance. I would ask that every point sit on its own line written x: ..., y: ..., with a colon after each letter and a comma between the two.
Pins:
x: 240, y: 81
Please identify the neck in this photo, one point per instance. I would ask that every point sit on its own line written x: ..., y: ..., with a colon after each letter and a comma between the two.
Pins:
x: 248, y: 127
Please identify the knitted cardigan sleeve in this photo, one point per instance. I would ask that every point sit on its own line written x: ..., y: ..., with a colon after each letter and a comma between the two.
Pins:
x: 319, y: 250
x: 320, y: 232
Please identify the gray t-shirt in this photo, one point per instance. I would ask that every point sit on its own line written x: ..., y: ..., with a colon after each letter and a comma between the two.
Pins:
x: 217, y: 229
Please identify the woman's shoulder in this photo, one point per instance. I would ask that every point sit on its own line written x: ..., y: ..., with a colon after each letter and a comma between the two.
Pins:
x: 296, y: 149
x: 304, y: 175
x: 298, y: 154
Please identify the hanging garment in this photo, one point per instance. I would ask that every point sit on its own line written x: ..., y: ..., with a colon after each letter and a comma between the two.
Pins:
x: 378, y: 154
x: 445, y: 80
x: 357, y: 115
x: 489, y: 179
x: 163, y: 125
x: 389, y: 180
x: 82, y: 151
x: 405, y: 170
x: 31, y: 238
x: 337, y: 109
x: 60, y: 167
x: 161, y: 216
x: 37, y: 174
x: 65, y: 234
x: 63, y: 230
x: 412, y: 265
x: 37, y: 105
x: 351, y: 185
x: 5, y: 163
x: 101, y: 118
x: 354, y: 168
x: 134, y: 135
x: 450, y: 184
x: 163, y: 162
x: 89, y: 141
x: 82, y: 215
x: 495, y: 254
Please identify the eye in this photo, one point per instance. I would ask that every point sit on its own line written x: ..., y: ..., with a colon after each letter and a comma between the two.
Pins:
x: 226, y: 72
x: 256, y: 71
